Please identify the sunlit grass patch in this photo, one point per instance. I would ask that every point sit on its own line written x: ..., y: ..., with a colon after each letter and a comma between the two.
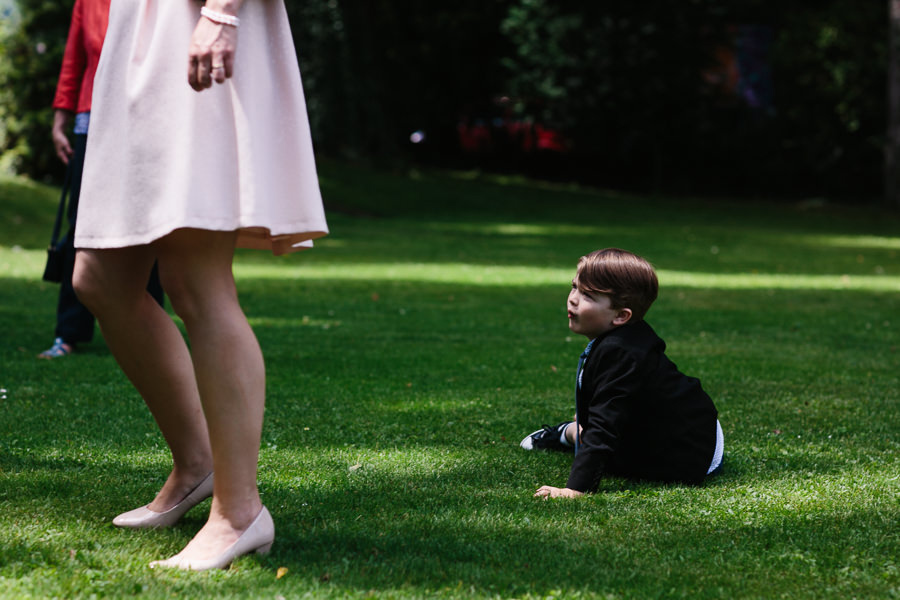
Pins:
x: 409, y: 353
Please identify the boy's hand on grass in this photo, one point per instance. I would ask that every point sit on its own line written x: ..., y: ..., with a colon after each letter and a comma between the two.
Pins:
x: 548, y: 491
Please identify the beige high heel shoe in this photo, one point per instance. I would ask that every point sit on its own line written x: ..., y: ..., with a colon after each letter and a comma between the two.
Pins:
x: 144, y: 518
x: 257, y: 538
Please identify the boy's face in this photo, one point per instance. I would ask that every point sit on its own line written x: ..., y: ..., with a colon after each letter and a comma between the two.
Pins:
x: 591, y: 315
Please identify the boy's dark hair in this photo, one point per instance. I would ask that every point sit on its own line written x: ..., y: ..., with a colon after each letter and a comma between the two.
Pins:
x: 626, y: 278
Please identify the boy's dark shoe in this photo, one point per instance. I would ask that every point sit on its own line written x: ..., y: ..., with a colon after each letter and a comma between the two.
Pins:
x: 547, y: 438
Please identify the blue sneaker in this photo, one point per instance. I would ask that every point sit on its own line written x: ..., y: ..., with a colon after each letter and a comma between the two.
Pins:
x: 59, y: 349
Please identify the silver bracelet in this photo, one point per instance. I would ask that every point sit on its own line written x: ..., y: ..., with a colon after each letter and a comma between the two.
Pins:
x: 220, y: 18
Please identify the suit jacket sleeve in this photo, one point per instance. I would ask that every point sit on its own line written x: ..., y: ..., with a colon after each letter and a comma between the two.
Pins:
x: 611, y: 379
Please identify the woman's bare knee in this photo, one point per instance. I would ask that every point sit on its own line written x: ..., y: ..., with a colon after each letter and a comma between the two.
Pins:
x: 200, y: 297
x: 179, y: 291
x: 195, y: 270
x: 104, y: 278
x: 85, y: 283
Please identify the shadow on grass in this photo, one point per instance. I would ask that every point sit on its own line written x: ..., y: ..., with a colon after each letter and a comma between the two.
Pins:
x: 380, y: 531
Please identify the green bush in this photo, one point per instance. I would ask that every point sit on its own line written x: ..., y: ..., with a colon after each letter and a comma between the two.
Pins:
x: 30, y: 58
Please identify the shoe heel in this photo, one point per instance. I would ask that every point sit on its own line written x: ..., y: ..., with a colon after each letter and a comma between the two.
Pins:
x: 264, y: 549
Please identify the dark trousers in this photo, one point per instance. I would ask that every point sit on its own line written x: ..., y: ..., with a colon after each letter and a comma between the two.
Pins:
x: 74, y: 322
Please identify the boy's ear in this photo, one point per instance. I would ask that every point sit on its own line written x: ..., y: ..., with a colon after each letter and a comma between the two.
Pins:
x: 622, y: 316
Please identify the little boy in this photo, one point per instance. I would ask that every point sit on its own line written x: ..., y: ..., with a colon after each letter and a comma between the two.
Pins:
x: 636, y: 415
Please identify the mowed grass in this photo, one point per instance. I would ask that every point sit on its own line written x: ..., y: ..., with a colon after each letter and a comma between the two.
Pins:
x: 412, y: 349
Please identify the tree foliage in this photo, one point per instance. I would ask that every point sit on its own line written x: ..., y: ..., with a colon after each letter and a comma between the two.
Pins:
x: 622, y: 79
x: 630, y: 82
x: 375, y: 72
x: 30, y: 58
x: 830, y: 66
x: 640, y: 89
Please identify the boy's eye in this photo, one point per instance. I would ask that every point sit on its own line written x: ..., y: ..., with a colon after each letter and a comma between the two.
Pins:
x: 581, y: 291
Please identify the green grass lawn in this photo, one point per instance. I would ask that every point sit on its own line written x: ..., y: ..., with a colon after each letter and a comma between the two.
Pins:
x: 409, y: 353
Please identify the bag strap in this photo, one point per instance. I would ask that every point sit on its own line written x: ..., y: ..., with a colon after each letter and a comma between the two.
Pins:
x: 62, y: 206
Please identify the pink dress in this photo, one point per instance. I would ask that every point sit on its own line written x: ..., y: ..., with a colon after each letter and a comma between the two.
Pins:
x: 160, y: 156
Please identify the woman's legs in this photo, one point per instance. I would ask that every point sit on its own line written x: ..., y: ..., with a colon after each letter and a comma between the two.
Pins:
x: 223, y: 372
x: 152, y: 353
x: 195, y: 267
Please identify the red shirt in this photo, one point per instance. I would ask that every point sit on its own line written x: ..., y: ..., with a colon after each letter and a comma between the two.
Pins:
x: 86, y: 33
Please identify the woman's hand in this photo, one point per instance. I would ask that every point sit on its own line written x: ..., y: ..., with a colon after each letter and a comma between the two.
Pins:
x: 548, y: 491
x: 211, y: 55
x: 61, y: 143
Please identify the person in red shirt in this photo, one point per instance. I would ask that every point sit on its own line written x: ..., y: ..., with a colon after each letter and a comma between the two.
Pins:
x: 74, y: 322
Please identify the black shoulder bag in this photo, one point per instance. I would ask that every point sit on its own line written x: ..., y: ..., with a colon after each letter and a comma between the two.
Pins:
x: 53, y: 272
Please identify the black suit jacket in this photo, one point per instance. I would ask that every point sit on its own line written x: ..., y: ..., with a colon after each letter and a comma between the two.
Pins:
x: 642, y: 417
